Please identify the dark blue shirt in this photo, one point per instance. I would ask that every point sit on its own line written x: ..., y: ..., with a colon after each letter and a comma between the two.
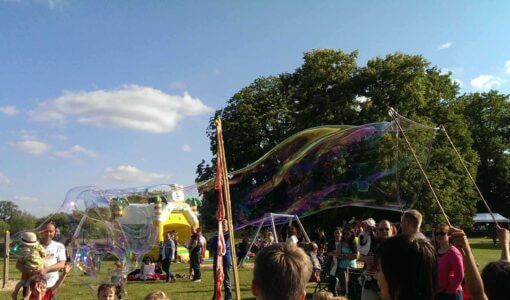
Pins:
x: 227, y: 258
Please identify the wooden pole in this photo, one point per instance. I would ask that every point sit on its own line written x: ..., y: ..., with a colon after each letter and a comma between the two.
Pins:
x: 228, y: 207
x: 7, y: 243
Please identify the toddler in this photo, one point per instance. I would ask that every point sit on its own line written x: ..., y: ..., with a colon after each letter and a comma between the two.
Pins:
x: 32, y: 257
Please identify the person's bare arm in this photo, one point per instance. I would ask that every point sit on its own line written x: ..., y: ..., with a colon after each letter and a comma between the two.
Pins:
x: 472, y: 277
x: 21, y: 267
x: 56, y: 267
x: 67, y: 269
x: 504, y: 239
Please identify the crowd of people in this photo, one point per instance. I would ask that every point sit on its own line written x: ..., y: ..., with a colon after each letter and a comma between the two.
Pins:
x: 387, y: 264
x: 382, y: 262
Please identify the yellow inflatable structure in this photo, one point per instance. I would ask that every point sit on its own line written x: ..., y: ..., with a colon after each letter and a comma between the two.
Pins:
x: 172, y: 213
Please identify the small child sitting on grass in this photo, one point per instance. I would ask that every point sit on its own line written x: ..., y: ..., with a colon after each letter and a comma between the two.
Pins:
x: 32, y: 256
x: 148, y: 271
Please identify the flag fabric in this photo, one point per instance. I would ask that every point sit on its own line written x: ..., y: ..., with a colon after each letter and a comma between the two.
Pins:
x: 220, y: 216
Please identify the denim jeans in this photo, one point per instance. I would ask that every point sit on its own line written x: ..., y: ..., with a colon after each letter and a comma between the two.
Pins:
x: 227, y: 267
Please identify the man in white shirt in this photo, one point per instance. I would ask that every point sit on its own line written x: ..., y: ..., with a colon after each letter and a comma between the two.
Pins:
x: 55, y: 254
x: 55, y: 259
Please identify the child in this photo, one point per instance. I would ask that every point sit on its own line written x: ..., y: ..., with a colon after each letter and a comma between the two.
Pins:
x: 118, y: 278
x: 106, y: 291
x: 37, y: 289
x: 312, y: 250
x: 157, y: 295
x: 32, y: 256
x: 148, y: 271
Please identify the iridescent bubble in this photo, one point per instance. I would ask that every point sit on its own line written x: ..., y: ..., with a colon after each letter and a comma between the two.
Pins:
x: 331, y: 166
x: 127, y: 224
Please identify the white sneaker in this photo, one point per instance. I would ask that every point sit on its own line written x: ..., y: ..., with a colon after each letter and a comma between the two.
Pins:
x: 198, y: 280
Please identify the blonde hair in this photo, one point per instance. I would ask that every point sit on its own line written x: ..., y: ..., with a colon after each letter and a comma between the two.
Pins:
x: 323, y: 295
x: 157, y: 295
x: 414, y: 217
x: 282, y: 271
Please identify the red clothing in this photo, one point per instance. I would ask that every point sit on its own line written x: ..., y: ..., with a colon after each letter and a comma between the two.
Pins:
x: 47, y: 296
x: 450, y: 269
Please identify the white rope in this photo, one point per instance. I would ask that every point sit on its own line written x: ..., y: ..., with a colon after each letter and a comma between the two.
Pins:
x: 443, y: 129
x: 394, y: 115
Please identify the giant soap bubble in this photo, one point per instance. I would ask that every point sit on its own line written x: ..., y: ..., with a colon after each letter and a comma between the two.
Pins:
x: 332, y: 166
x: 126, y: 224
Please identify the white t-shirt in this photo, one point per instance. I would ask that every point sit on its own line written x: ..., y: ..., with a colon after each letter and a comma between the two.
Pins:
x: 148, y: 269
x: 55, y: 252
x: 292, y: 240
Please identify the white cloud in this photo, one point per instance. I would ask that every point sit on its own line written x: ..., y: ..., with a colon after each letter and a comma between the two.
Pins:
x: 445, y: 46
x: 76, y: 150
x: 4, y: 180
x: 486, y: 82
x: 31, y: 147
x: 458, y: 81
x: 25, y: 199
x: 507, y: 66
x: 9, y: 110
x: 131, y: 174
x: 27, y: 134
x: 131, y: 107
x: 186, y: 148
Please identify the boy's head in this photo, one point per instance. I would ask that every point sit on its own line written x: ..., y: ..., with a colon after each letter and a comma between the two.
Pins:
x: 281, y: 272
x: 29, y: 239
x: 496, y: 276
x: 411, y: 222
x: 106, y: 291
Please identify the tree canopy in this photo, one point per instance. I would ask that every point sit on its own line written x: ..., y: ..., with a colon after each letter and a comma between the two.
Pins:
x: 329, y: 88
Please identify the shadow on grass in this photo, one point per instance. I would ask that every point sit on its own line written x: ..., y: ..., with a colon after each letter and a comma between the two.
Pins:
x: 485, y: 246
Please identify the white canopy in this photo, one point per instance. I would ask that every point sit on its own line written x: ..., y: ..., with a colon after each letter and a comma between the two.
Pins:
x: 487, y: 218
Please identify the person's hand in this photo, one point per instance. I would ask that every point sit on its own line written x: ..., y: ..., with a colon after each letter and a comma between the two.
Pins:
x: 43, y: 271
x: 459, y: 238
x: 68, y: 268
x: 503, y: 235
x: 38, y: 287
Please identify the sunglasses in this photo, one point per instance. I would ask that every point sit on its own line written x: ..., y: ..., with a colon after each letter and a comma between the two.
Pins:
x: 442, y: 233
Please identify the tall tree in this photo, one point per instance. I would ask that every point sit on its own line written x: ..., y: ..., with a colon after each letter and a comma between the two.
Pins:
x: 7, y: 210
x: 329, y: 88
x: 488, y: 118
x: 422, y: 93
x: 22, y: 220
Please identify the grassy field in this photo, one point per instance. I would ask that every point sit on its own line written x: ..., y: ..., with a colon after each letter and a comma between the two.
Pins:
x: 78, y: 286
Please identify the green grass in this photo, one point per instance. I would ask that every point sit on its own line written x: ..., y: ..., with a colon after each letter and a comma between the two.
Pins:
x: 79, y: 286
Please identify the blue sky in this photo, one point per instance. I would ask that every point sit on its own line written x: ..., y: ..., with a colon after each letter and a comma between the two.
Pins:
x: 119, y: 93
